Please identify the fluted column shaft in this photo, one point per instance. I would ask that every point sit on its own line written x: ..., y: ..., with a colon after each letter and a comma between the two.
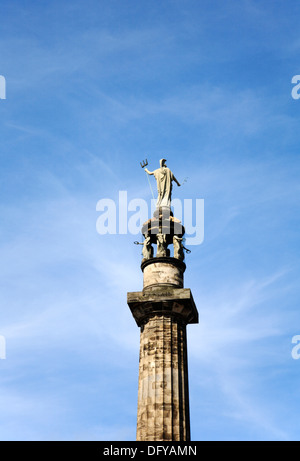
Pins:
x: 163, y: 403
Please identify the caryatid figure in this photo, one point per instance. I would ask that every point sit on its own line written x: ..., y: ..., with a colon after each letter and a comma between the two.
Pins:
x: 147, y: 248
x: 178, y: 247
x: 164, y: 178
x: 161, y: 245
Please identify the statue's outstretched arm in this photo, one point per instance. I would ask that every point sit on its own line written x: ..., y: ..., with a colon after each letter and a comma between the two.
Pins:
x: 176, y: 181
x: 149, y: 172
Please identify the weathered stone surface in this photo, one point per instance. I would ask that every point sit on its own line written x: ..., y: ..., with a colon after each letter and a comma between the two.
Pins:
x: 162, y: 311
x: 160, y: 224
x: 178, y: 302
x: 163, y: 409
x: 163, y: 272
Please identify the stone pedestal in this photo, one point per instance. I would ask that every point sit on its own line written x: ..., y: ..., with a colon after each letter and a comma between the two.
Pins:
x: 159, y: 272
x: 162, y: 311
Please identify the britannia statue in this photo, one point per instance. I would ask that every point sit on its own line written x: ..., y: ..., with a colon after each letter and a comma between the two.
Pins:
x: 164, y: 178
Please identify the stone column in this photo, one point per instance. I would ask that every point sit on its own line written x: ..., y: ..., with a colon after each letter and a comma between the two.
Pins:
x: 162, y: 311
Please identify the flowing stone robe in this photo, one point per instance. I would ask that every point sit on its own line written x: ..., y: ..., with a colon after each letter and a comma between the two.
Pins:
x: 164, y: 178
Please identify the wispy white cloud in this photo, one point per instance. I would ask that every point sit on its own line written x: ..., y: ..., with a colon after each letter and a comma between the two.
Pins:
x: 237, y: 347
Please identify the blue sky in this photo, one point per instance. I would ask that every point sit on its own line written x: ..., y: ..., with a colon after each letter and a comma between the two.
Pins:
x: 92, y: 88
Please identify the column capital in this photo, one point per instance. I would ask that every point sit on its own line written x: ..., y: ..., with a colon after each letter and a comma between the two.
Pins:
x: 176, y: 302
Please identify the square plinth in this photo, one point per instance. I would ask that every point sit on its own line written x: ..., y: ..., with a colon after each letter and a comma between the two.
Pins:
x: 178, y: 302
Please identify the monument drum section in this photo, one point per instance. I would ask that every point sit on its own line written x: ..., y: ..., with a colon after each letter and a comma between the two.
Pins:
x: 162, y: 310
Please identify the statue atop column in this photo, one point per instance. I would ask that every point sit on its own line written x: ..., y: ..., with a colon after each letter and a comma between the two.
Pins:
x: 163, y: 228
x: 164, y: 178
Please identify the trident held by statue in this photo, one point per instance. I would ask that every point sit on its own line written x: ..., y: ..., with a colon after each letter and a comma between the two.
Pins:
x: 145, y: 163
